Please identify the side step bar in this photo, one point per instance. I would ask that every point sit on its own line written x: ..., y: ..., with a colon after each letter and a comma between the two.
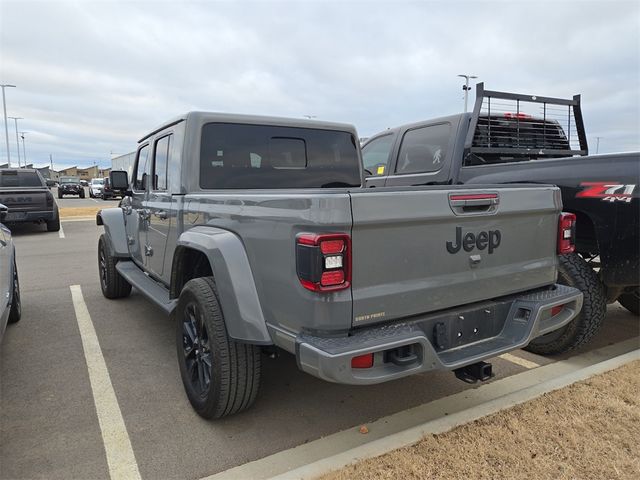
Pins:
x: 151, y: 289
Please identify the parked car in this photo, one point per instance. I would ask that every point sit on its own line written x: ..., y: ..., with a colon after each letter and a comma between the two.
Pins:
x: 84, y: 183
x: 25, y: 193
x: 70, y: 186
x: 95, y: 187
x: 109, y: 192
x: 10, y: 308
x: 255, y: 233
x: 516, y: 138
x: 51, y: 183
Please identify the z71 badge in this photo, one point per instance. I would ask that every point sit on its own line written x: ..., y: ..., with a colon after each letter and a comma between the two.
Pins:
x: 607, y: 191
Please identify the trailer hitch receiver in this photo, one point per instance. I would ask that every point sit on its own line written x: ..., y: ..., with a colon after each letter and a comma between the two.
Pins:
x: 476, y: 372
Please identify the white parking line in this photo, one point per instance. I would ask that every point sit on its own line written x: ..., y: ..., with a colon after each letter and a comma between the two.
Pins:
x: 519, y: 361
x: 120, y: 457
x: 61, y: 232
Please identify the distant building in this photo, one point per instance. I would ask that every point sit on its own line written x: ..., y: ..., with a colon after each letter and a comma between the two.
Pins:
x: 124, y: 162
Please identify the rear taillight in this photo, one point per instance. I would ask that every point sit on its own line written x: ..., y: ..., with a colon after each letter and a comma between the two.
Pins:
x: 49, y: 199
x: 556, y: 310
x: 323, y: 261
x: 566, y: 233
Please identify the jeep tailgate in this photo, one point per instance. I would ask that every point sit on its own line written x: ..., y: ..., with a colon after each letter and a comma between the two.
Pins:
x: 422, y: 249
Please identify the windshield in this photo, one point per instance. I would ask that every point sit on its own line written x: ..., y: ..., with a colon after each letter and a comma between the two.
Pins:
x: 69, y: 180
x: 97, y: 181
x: 14, y: 178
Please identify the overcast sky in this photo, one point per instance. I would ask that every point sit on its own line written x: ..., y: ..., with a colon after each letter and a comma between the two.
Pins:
x: 93, y: 76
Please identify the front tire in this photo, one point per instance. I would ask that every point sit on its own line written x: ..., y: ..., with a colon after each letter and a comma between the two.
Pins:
x: 575, y: 272
x: 631, y: 301
x: 221, y: 377
x: 60, y: 195
x: 16, y: 305
x: 82, y: 193
x: 113, y: 285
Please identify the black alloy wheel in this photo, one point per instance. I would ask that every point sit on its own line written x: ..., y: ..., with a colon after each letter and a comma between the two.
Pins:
x: 196, y: 349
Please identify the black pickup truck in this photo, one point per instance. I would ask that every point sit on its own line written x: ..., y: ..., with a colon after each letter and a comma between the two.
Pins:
x: 515, y: 138
x: 28, y: 198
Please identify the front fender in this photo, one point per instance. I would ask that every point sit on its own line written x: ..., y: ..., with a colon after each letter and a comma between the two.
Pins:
x: 114, y: 229
x: 234, y: 280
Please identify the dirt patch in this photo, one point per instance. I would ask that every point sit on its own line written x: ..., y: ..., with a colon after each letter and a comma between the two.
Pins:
x: 589, y: 430
x: 79, y: 211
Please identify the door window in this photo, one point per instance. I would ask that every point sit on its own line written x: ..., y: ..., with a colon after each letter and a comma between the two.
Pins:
x: 375, y: 155
x: 424, y: 149
x: 142, y: 169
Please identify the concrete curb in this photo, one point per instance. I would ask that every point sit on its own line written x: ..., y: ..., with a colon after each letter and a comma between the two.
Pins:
x: 407, y: 427
x: 413, y: 435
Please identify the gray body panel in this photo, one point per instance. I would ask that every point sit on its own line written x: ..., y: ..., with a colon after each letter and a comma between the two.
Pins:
x: 400, y: 262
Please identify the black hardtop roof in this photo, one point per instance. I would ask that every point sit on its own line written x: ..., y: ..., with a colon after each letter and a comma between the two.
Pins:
x: 212, y: 117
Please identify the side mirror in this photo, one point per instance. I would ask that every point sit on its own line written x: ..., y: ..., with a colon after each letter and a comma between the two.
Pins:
x: 3, y: 211
x: 119, y: 180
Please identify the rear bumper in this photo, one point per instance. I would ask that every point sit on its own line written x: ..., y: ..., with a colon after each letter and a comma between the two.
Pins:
x: 432, y: 338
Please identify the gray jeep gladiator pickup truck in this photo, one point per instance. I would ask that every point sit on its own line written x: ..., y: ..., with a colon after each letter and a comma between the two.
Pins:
x: 256, y: 232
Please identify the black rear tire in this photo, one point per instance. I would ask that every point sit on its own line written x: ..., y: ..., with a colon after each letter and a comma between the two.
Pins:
x: 221, y: 376
x: 575, y: 272
x: 631, y: 301
x: 54, y: 225
x: 16, y: 306
x: 113, y: 285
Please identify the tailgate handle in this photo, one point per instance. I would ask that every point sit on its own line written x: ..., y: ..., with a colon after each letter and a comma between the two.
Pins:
x: 473, y: 202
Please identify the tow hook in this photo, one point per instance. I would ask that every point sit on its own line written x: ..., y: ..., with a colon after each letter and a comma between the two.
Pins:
x: 481, y: 371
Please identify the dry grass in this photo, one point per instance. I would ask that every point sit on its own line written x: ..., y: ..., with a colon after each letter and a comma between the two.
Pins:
x: 589, y: 430
x: 79, y: 211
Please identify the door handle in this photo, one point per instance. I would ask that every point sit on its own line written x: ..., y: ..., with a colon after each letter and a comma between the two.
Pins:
x: 161, y: 214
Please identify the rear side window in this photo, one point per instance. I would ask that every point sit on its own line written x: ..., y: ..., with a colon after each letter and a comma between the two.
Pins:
x: 263, y: 156
x: 161, y: 160
x: 424, y: 149
x: 14, y: 178
x: 142, y: 169
x: 375, y: 155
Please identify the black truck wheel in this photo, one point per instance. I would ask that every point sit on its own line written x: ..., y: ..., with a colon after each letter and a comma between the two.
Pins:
x: 16, y: 306
x: 631, y: 301
x: 575, y: 272
x: 82, y: 193
x: 54, y: 225
x: 220, y: 376
x: 60, y: 195
x: 111, y: 282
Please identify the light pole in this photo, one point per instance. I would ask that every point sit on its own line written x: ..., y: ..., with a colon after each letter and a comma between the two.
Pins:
x: 466, y: 88
x: 24, y: 151
x: 6, y: 127
x: 15, y: 119
x: 598, y: 144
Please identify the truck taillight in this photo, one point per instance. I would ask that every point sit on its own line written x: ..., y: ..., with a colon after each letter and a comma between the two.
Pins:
x: 323, y: 261
x: 566, y: 233
x: 49, y: 199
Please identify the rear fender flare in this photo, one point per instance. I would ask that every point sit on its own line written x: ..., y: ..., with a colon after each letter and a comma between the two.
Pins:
x: 114, y: 228
x: 234, y: 281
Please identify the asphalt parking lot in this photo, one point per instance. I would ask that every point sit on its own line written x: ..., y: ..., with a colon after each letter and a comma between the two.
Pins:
x: 49, y: 426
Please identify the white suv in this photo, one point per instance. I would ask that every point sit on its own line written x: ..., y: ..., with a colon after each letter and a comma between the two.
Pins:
x: 95, y: 187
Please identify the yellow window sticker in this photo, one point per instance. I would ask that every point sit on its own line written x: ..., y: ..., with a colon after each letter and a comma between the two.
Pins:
x: 380, y: 170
